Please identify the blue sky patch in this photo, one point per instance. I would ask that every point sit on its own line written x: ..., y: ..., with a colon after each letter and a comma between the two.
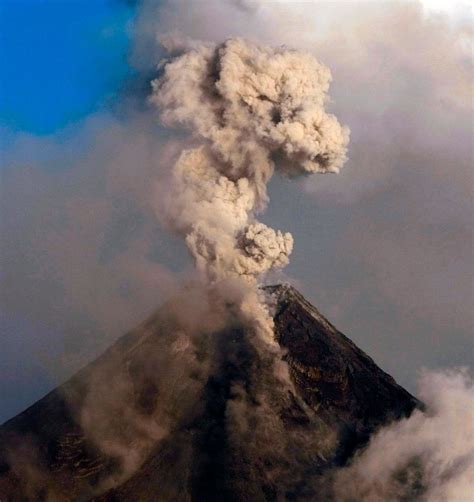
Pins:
x: 60, y: 60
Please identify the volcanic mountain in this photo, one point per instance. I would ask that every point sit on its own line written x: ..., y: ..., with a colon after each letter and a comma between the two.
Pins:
x: 157, y: 417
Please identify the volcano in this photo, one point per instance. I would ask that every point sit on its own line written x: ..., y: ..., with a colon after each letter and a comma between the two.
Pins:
x: 150, y: 419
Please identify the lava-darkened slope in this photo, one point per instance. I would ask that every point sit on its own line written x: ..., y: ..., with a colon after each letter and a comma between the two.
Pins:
x: 96, y: 436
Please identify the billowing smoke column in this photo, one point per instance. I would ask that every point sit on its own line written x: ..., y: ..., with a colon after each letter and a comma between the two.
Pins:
x: 257, y: 109
x: 252, y: 109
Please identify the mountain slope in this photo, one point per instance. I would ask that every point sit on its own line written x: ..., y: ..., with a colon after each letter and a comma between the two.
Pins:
x: 159, y: 418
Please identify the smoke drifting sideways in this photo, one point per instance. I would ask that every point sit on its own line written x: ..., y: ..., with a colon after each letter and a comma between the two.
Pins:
x: 428, y: 456
x: 254, y: 109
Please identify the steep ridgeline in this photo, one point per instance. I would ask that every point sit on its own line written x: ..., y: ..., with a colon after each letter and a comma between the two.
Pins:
x: 155, y: 418
x: 332, y: 373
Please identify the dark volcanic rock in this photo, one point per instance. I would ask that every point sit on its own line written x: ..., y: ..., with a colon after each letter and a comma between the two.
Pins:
x: 334, y: 375
x: 48, y: 452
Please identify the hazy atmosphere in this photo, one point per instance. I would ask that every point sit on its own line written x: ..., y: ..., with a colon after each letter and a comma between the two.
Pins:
x: 383, y: 248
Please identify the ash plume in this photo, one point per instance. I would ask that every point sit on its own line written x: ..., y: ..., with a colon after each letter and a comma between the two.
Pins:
x: 254, y: 109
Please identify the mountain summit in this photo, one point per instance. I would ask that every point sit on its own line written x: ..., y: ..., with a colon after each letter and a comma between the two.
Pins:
x: 156, y: 418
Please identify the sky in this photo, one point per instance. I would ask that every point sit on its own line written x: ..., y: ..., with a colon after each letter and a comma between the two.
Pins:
x: 384, y: 249
x: 61, y: 60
